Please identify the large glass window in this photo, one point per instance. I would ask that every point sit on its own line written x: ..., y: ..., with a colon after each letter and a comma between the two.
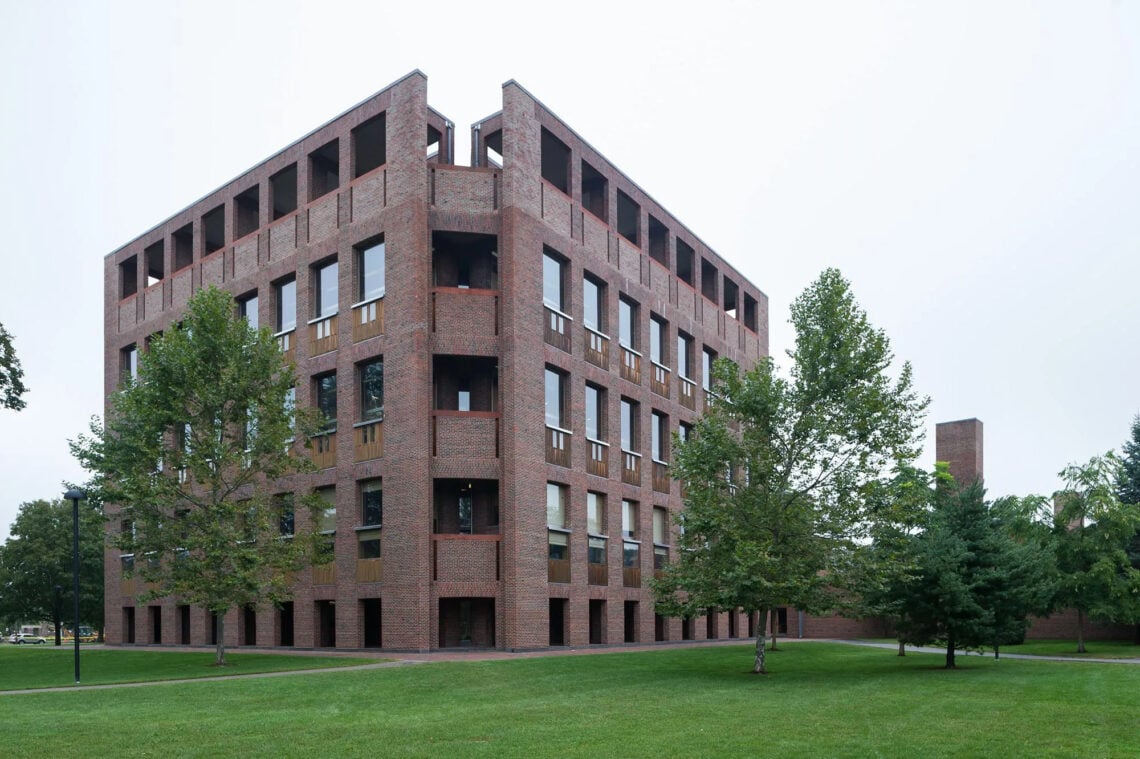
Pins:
x: 629, y: 519
x: 684, y: 355
x: 372, y: 503
x: 370, y: 268
x: 707, y: 359
x: 287, y: 305
x: 595, y: 413
x: 595, y: 513
x: 325, y: 291
x: 660, y: 431
x: 627, y: 323
x: 657, y: 332
x: 248, y: 309
x: 326, y: 399
x: 326, y: 517
x: 593, y: 304
x: 555, y: 408
x: 552, y: 281
x: 556, y: 505
x: 285, y: 513
x: 372, y: 391
x: 629, y: 413
x: 660, y: 523
x: 130, y: 365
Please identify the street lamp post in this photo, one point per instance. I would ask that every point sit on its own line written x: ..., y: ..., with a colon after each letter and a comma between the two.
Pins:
x: 75, y: 495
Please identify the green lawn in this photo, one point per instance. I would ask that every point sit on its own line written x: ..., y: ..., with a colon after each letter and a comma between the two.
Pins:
x: 820, y: 700
x: 47, y: 666
x: 1094, y: 649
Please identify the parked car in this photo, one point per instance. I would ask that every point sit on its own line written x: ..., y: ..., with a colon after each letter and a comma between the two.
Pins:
x: 25, y: 638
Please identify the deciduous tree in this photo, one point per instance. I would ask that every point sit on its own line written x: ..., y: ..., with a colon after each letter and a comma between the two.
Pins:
x: 37, y: 558
x: 11, y: 374
x: 1093, y: 531
x: 778, y: 469
x: 192, y: 454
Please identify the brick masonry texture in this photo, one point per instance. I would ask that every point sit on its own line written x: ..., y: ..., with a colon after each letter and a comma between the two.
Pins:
x: 434, y: 586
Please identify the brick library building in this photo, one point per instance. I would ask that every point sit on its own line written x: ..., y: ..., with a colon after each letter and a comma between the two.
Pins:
x: 506, y: 349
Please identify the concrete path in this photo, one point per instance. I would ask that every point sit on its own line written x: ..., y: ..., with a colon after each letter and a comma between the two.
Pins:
x: 935, y: 650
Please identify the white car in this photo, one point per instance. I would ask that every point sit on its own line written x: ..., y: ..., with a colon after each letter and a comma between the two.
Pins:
x: 25, y: 638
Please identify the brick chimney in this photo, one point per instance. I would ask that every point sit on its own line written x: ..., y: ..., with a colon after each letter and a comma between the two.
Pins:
x: 960, y: 444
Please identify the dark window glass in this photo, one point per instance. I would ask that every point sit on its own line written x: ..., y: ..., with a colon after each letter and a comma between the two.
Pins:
x: 372, y: 503
x: 326, y: 399
x: 372, y: 391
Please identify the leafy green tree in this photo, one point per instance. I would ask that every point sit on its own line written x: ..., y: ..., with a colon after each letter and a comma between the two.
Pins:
x: 191, y: 454
x: 1093, y: 531
x: 37, y: 557
x: 11, y: 374
x: 778, y: 470
x: 974, y: 584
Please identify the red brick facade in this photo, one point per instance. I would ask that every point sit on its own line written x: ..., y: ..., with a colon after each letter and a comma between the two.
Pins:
x: 465, y: 449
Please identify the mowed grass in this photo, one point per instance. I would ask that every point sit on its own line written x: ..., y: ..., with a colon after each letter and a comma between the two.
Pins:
x: 1094, y: 649
x: 47, y: 666
x: 820, y: 700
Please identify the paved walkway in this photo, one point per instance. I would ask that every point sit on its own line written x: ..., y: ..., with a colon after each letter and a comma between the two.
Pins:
x: 934, y: 650
x: 397, y: 659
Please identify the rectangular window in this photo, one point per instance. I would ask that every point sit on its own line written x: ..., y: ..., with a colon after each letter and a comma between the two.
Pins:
x: 552, y: 278
x: 685, y: 258
x: 290, y: 405
x: 286, y: 305
x: 247, y: 212
x: 370, y: 272
x: 594, y: 304
x: 631, y: 555
x: 595, y: 513
x: 326, y: 400
x: 660, y: 525
x: 247, y: 307
x: 597, y: 552
x: 627, y: 323
x: 658, y: 330
x: 684, y: 431
x: 707, y: 358
x: 153, y: 260
x: 595, y: 412
x: 369, y: 544
x: 629, y: 519
x: 372, y: 391
x: 559, y: 545
x: 372, y: 503
x: 286, y: 515
x: 629, y: 418
x: 325, y: 291
x: 555, y: 397
x: 556, y: 505
x: 684, y: 355
x: 130, y: 363
x: 466, y: 512
x: 129, y: 277
x: 660, y: 430
x: 214, y: 230
x: 326, y: 517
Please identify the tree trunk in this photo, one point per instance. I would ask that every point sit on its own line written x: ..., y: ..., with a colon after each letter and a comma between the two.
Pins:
x: 950, y: 643
x: 758, y: 667
x: 997, y: 652
x: 220, y: 650
x: 902, y: 648
x: 772, y: 624
x: 1080, y: 631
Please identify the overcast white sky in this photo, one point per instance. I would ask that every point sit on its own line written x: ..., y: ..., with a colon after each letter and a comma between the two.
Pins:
x: 972, y: 167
